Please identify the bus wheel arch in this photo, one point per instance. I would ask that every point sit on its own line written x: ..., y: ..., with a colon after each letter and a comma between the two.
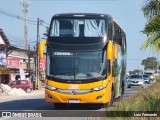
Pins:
x: 110, y: 102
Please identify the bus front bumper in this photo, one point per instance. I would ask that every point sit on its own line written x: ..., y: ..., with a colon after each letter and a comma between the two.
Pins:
x: 99, y: 97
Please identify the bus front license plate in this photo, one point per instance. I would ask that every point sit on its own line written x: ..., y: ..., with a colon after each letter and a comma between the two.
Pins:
x: 73, y: 101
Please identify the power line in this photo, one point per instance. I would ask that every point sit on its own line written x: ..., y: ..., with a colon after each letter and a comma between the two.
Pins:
x: 19, y: 38
x: 19, y: 42
x: 9, y: 14
x: 134, y: 59
x: 16, y: 16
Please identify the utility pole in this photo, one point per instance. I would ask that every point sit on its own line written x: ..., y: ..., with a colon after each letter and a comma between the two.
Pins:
x: 37, y: 56
x: 25, y: 5
x: 35, y: 67
x: 38, y: 83
x: 29, y: 59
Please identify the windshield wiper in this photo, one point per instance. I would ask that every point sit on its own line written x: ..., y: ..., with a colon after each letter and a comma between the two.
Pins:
x: 74, y: 81
x: 63, y: 73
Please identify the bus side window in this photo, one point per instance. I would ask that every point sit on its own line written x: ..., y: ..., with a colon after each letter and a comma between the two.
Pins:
x: 114, y: 68
x: 108, y: 67
x: 117, y: 34
x: 110, y: 30
x: 124, y: 43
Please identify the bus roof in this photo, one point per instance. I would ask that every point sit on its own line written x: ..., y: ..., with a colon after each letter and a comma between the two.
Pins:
x: 79, y: 15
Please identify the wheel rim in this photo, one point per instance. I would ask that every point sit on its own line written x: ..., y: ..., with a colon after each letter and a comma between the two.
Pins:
x: 28, y: 90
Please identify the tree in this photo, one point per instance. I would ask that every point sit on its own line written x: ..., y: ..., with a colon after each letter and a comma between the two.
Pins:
x: 136, y: 71
x: 151, y: 8
x: 150, y: 63
x: 151, y: 11
x: 152, y: 30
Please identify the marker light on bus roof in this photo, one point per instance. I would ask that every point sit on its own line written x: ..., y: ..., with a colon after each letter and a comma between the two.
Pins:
x: 79, y: 15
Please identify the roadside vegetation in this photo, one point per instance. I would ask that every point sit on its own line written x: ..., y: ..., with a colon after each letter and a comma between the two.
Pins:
x: 145, y: 100
x: 151, y: 10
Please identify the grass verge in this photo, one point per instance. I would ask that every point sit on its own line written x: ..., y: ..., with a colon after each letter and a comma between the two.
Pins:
x: 145, y: 100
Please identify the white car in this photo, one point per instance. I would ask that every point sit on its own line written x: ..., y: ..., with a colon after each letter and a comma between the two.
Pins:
x: 135, y: 80
x: 146, y: 78
x: 152, y: 76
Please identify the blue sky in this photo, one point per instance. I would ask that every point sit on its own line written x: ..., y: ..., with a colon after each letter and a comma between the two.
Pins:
x: 126, y: 12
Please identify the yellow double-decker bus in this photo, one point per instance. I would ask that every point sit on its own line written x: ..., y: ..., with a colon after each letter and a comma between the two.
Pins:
x: 85, y: 58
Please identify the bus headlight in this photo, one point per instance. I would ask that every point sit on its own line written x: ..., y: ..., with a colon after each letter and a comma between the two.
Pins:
x: 50, y: 87
x: 99, y: 88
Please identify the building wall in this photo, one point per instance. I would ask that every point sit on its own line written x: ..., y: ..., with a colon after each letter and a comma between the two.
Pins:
x: 22, y: 56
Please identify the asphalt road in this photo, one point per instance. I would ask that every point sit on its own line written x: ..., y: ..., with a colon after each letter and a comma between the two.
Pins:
x: 36, y: 102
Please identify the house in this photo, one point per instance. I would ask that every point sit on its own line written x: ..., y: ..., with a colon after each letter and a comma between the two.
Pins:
x: 12, y: 59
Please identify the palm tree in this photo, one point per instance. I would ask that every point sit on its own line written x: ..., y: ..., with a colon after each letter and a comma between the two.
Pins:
x: 151, y: 10
x: 152, y: 30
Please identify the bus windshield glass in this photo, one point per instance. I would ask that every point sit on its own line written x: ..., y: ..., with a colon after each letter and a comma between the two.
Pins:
x: 78, y: 28
x: 77, y: 65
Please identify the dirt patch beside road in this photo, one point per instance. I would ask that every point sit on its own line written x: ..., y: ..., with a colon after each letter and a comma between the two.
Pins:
x: 6, y: 90
x: 4, y: 97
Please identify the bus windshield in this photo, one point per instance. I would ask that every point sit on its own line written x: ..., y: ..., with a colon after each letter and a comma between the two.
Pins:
x: 77, y: 65
x: 78, y: 28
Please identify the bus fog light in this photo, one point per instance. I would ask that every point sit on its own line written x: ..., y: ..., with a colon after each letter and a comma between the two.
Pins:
x: 49, y: 96
x: 99, y: 97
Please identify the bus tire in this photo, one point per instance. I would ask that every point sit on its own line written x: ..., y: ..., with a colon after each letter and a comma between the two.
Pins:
x: 123, y: 89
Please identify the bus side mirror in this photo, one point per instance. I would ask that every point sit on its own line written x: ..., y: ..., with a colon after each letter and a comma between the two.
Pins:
x: 41, y: 48
x: 109, y: 50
